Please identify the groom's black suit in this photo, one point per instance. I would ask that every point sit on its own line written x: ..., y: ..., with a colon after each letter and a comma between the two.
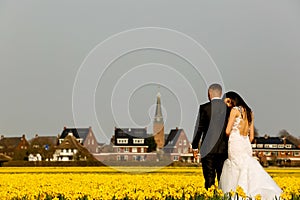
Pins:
x: 211, y: 125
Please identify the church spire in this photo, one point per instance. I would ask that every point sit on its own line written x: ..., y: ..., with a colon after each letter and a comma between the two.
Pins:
x: 158, y: 125
x: 158, y: 113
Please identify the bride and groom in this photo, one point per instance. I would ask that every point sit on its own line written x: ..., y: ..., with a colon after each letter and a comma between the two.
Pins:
x: 225, y: 127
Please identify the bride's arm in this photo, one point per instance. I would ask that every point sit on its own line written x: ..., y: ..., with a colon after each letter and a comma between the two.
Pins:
x: 251, y: 134
x: 233, y: 114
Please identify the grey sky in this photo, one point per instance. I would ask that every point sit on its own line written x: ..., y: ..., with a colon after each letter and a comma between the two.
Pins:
x: 255, y: 45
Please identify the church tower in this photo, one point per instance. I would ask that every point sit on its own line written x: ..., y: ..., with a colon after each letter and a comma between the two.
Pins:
x: 158, y: 125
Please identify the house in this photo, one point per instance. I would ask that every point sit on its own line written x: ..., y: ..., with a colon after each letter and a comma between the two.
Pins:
x: 130, y: 144
x: 276, y: 151
x: 85, y: 136
x: 42, y: 147
x: 70, y: 149
x: 14, y: 147
x: 178, y: 146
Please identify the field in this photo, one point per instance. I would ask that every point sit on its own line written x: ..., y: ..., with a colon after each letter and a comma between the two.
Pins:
x: 123, y: 183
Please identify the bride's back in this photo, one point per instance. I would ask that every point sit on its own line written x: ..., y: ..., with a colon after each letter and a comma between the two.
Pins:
x: 244, y: 124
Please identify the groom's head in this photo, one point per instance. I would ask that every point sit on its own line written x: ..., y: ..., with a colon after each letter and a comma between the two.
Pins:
x: 214, y: 90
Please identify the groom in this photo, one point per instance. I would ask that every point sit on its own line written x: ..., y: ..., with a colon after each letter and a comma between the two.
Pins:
x: 210, y: 128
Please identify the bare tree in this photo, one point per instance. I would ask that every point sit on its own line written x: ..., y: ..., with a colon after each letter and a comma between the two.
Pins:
x: 287, y: 135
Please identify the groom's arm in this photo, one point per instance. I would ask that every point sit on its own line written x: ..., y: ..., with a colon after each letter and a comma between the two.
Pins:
x: 199, y: 127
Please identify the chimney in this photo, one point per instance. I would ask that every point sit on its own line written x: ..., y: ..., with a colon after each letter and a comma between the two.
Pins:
x: 23, y: 137
x: 90, y: 128
x: 65, y: 127
x: 284, y: 140
x: 36, y: 135
x: 176, y: 128
x: 1, y: 137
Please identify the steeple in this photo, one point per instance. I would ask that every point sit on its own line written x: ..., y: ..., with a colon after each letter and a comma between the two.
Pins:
x: 158, y: 113
x: 158, y: 125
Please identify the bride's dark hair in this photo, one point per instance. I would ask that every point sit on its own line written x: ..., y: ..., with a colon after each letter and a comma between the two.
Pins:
x: 237, y: 100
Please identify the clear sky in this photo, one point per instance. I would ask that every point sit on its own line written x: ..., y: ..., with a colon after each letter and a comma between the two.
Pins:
x: 254, y: 45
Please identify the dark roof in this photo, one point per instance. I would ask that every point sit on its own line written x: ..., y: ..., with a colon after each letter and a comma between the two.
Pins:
x: 173, y: 136
x: 271, y: 140
x: 10, y: 142
x: 131, y: 132
x: 42, y: 140
x: 77, y: 132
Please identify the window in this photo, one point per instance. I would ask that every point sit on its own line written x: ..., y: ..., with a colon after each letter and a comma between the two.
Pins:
x: 92, y: 141
x: 126, y: 149
x: 134, y: 150
x: 270, y: 145
x: 176, y: 158
x: 142, y: 158
x: 297, y: 153
x: 122, y: 158
x: 179, y: 150
x: 138, y: 141
x: 184, y: 142
x: 185, y: 150
x: 180, y: 142
x: 267, y: 153
x: 142, y: 150
x: 280, y: 145
x: 122, y: 141
x: 288, y: 146
x: 260, y: 145
x: 88, y: 141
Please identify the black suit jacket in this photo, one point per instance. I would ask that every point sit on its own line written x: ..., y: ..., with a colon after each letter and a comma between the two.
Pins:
x: 210, y: 126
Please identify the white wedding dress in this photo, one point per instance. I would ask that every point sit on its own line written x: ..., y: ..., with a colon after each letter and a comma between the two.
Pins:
x: 241, y: 169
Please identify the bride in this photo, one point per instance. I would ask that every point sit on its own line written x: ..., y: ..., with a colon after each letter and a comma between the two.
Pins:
x: 241, y: 169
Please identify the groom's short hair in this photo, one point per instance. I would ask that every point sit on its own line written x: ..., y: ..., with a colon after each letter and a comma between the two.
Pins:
x: 216, y: 87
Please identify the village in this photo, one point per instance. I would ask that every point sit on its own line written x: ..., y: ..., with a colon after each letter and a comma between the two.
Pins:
x: 134, y: 145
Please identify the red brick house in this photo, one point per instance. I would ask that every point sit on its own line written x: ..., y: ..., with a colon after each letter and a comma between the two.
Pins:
x: 14, y: 147
x: 128, y: 144
x: 178, y: 146
x: 276, y: 151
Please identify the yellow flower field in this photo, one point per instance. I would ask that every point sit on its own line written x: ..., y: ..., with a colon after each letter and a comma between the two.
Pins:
x: 129, y: 183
